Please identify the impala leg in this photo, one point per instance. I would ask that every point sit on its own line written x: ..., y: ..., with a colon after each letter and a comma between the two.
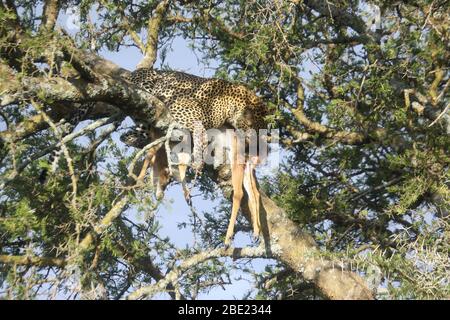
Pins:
x: 183, y: 161
x: 237, y: 177
x: 253, y: 196
x: 160, y: 173
x: 257, y: 227
x: 149, y: 161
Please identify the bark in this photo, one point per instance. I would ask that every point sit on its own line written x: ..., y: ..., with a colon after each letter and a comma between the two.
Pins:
x: 299, y: 251
x: 32, y: 261
x: 154, y: 26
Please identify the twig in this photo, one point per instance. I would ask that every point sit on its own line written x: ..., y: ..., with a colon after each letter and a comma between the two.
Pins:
x: 440, y: 115
x: 107, y: 220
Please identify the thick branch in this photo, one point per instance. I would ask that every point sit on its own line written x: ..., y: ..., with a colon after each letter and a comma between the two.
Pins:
x: 51, y: 10
x: 299, y: 251
x: 154, y: 25
x: 58, y: 90
x: 32, y: 261
x: 286, y: 242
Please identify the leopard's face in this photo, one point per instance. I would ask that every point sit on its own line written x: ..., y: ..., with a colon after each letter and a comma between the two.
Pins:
x: 250, y: 116
x: 137, y: 137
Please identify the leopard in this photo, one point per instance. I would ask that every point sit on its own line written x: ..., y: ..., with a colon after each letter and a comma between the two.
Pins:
x: 199, y: 104
x: 211, y: 101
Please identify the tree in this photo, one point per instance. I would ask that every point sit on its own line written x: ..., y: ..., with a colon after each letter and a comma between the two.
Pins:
x: 358, y: 210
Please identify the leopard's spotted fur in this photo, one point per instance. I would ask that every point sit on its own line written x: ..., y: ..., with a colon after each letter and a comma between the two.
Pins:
x: 213, y: 102
x: 198, y: 104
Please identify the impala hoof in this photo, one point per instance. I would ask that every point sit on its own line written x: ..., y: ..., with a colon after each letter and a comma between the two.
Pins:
x: 227, y: 243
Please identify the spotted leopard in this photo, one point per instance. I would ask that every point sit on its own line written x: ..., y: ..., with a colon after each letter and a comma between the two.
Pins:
x: 199, y: 104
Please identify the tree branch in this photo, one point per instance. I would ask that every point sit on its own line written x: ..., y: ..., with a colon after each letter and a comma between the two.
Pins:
x: 173, y: 276
x: 346, y: 137
x: 51, y: 10
x: 20, y: 167
x: 107, y: 220
x: 154, y: 25
x: 340, y: 16
x: 32, y: 261
x: 299, y: 251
